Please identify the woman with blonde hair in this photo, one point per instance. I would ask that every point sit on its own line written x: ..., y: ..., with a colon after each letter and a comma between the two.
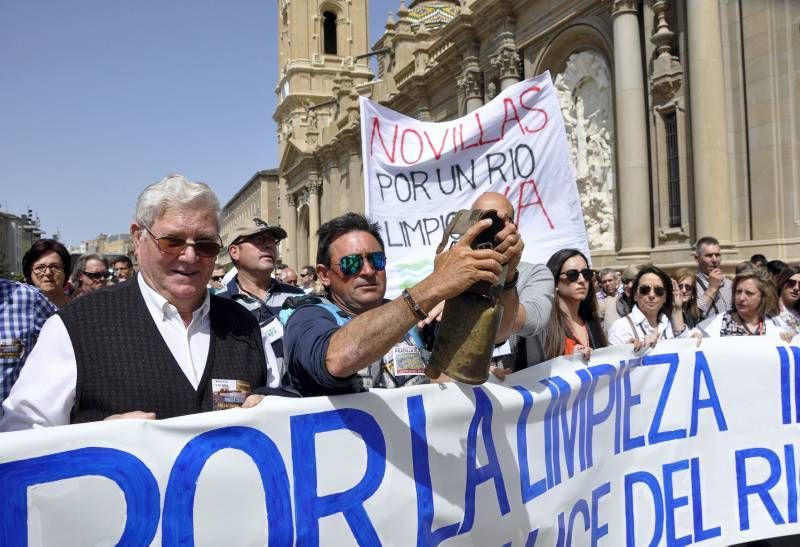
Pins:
x: 754, y: 310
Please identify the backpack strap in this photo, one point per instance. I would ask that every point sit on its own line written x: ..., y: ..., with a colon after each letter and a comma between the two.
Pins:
x: 291, y: 305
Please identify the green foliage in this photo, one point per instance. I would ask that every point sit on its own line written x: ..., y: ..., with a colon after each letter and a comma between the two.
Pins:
x: 6, y: 274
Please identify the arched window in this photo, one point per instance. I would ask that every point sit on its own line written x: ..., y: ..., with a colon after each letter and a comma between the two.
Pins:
x: 329, y: 33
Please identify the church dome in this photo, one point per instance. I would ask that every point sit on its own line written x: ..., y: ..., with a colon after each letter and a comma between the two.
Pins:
x: 434, y: 14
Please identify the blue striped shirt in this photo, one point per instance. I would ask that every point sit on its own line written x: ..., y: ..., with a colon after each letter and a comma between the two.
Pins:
x: 23, y: 311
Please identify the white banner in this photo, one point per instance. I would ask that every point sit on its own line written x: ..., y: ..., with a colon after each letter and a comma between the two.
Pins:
x: 682, y: 446
x: 416, y: 174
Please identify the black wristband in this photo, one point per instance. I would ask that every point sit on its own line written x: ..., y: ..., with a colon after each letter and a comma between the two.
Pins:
x: 412, y: 304
x: 508, y: 285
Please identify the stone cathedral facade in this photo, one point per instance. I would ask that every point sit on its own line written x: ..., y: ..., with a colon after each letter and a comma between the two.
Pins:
x: 683, y: 115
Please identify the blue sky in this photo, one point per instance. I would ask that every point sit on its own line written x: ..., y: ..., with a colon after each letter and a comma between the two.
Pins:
x: 99, y: 98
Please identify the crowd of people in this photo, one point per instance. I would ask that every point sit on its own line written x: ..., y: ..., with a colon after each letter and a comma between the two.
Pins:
x: 86, y: 340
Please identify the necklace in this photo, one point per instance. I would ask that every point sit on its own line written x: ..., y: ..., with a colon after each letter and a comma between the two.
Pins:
x: 759, y: 330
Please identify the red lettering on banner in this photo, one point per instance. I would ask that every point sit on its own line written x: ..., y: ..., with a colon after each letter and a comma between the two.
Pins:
x: 461, y: 135
x: 403, y: 146
x: 480, y: 129
x: 436, y: 153
x: 376, y: 128
x: 537, y: 201
x: 508, y: 119
x: 535, y: 88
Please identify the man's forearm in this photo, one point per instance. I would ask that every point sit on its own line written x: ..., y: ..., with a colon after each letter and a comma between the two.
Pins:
x: 510, y: 301
x: 370, y: 335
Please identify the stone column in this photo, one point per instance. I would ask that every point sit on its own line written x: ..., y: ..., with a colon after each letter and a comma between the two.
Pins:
x: 631, y: 128
x: 470, y: 82
x: 313, y: 186
x: 708, y: 122
x: 289, y: 221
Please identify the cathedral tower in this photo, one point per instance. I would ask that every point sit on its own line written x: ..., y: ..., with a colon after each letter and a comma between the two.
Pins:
x: 322, y: 47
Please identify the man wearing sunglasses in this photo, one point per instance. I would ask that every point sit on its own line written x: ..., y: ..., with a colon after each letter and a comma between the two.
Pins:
x: 254, y: 252
x: 356, y: 339
x: 152, y: 347
x: 307, y: 278
x: 215, y: 285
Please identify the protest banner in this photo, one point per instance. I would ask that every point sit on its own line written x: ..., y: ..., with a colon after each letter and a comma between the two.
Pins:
x: 682, y: 445
x: 416, y: 174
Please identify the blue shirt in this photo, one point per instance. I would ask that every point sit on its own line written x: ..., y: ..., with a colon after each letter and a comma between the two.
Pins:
x: 23, y: 311
x: 306, y: 338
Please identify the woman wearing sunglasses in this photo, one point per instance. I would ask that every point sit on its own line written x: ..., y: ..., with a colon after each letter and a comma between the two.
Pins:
x: 788, y: 282
x: 754, y: 311
x: 573, y: 327
x: 685, y: 279
x: 656, y: 315
x: 89, y: 274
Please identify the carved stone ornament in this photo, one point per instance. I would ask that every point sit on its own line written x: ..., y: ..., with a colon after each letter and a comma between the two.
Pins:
x: 469, y: 83
x: 290, y: 201
x: 507, y: 62
x: 584, y: 91
x: 491, y: 91
x: 623, y: 6
x: 313, y: 186
x: 667, y: 74
x: 302, y: 198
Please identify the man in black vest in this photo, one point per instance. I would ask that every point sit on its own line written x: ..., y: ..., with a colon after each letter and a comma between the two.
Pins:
x: 152, y: 347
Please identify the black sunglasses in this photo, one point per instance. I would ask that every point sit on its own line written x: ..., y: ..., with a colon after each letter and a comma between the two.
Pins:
x: 644, y: 290
x: 96, y: 276
x: 217, y: 277
x: 352, y: 264
x: 572, y: 275
x: 172, y: 245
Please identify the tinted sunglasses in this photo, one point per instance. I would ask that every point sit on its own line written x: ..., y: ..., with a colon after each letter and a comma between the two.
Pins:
x: 217, y: 277
x: 644, y: 290
x: 572, y: 275
x: 96, y: 276
x: 352, y: 264
x: 791, y: 283
x: 172, y: 245
x: 684, y: 286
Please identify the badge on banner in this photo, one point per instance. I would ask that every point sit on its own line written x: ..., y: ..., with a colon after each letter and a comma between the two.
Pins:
x: 229, y: 393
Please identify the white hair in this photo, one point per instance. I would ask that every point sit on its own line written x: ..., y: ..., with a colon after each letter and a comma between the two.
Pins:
x: 174, y: 191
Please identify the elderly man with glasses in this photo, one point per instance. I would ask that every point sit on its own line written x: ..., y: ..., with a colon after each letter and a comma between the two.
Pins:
x: 355, y: 339
x: 150, y: 348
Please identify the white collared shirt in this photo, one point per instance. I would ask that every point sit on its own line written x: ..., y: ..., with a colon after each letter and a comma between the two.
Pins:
x: 620, y: 332
x: 44, y: 394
